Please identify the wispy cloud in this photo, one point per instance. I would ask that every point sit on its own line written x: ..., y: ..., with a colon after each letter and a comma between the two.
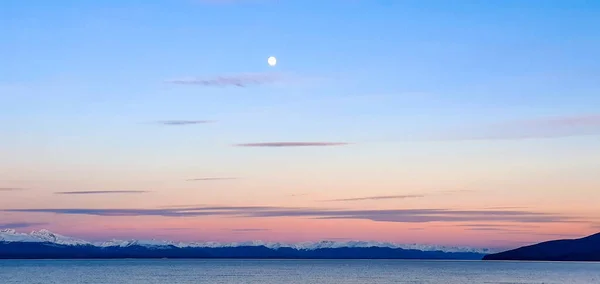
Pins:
x: 401, y: 196
x: 292, y: 144
x: 239, y: 80
x: 421, y: 215
x: 547, y: 127
x: 184, y: 122
x: 180, y: 206
x: 20, y: 225
x: 390, y: 215
x: 377, y: 197
x: 11, y: 189
x: 211, y: 179
x: 167, y: 212
x: 103, y: 192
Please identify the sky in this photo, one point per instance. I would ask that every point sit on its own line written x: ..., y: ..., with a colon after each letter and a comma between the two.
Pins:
x: 471, y: 123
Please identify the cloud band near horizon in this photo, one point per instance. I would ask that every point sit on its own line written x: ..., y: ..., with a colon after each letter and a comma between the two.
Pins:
x: 378, y: 215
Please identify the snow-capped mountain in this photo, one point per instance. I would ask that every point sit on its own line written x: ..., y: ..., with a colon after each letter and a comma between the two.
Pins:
x: 334, y: 244
x: 45, y: 236
x: 143, y: 243
x: 41, y: 236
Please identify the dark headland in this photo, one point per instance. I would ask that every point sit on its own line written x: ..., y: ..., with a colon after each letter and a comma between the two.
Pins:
x: 584, y: 249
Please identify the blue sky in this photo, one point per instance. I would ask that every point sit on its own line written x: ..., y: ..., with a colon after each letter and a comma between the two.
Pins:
x: 471, y: 57
x: 83, y: 83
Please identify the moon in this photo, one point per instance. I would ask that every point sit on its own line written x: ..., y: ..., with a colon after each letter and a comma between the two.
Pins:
x: 272, y: 61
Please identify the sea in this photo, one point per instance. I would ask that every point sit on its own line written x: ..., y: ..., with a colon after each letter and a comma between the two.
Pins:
x: 213, y: 271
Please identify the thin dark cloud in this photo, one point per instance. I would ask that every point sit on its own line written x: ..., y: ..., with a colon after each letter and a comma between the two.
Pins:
x: 547, y: 127
x: 11, y: 189
x: 292, y: 144
x: 167, y: 212
x: 381, y: 197
x: 106, y: 212
x: 184, y: 122
x: 103, y: 192
x: 211, y: 178
x: 431, y: 215
x: 390, y: 215
x: 240, y: 80
x: 404, y: 196
x: 20, y: 225
x: 183, y: 206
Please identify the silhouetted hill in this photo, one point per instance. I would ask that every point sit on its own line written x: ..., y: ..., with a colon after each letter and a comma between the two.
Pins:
x: 584, y: 249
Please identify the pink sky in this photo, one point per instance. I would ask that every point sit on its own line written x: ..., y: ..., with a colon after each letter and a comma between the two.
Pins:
x: 494, y: 203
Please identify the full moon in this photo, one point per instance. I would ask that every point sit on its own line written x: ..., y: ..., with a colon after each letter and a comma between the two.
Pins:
x: 272, y: 61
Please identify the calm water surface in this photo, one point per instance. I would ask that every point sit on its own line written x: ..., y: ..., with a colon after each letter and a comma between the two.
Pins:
x: 294, y: 271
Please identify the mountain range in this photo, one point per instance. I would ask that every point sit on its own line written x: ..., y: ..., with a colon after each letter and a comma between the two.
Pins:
x: 44, y: 244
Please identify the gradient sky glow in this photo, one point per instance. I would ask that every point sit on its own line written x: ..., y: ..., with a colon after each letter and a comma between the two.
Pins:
x: 418, y: 121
